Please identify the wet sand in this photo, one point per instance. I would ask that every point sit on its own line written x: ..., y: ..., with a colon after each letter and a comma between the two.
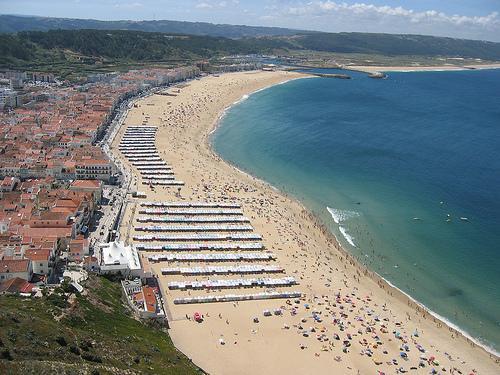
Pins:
x: 362, y: 325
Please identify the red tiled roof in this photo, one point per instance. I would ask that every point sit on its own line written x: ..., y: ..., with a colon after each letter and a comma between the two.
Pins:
x: 37, y: 254
x: 15, y: 265
x: 78, y: 245
x: 46, y: 233
x: 150, y: 298
x: 7, y: 181
x: 16, y: 285
x: 86, y: 183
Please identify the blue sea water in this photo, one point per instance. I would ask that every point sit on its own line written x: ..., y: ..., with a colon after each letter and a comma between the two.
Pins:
x: 391, y: 166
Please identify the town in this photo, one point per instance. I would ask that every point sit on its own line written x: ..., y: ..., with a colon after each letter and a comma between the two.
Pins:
x: 61, y: 193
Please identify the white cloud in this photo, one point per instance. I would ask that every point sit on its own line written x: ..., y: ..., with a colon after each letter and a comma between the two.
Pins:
x: 267, y: 17
x: 129, y: 5
x: 215, y: 4
x: 341, y: 16
x: 325, y: 8
x: 204, y: 5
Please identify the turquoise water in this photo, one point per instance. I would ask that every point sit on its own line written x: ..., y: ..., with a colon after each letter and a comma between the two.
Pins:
x: 398, y: 162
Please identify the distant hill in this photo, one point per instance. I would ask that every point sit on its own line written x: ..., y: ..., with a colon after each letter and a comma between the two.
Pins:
x: 14, y: 24
x: 55, y: 46
x: 251, y: 38
x: 399, y: 44
x: 66, y: 49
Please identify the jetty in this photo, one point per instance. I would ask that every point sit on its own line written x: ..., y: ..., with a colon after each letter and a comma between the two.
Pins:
x: 377, y: 75
x: 331, y: 75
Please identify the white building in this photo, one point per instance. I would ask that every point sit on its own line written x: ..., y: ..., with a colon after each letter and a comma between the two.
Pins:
x: 41, y: 260
x: 115, y: 257
x: 11, y: 268
x: 6, y: 95
x: 93, y: 169
x: 8, y: 183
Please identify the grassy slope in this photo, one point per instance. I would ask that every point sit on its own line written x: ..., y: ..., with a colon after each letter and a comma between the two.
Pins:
x: 97, y: 326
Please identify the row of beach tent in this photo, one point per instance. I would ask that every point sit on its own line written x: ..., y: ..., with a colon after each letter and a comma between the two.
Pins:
x: 138, y: 146
x: 160, y: 163
x: 232, y: 283
x: 191, y: 204
x: 193, y: 219
x: 236, y: 297
x: 199, y: 237
x: 195, y: 228
x: 137, y: 143
x: 163, y: 182
x: 130, y: 137
x: 212, y: 257
x: 144, y: 158
x: 222, y: 270
x: 151, y: 169
x: 156, y: 173
x: 152, y: 152
x: 200, y: 246
x: 191, y: 211
x: 160, y: 177
x: 141, y: 154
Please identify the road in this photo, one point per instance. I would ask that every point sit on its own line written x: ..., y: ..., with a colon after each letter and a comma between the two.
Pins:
x: 114, y: 199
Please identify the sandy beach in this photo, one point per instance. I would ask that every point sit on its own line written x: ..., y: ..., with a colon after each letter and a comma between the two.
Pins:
x: 347, y: 322
x: 449, y: 67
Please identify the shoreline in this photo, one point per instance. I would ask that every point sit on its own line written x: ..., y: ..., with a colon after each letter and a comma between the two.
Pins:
x: 374, y: 275
x: 411, y: 69
x: 380, y: 285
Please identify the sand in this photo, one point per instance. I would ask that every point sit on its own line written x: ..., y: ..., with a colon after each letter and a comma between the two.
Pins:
x: 352, y: 303
x: 373, y: 69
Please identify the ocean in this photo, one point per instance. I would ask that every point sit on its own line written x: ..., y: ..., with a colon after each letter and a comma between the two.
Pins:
x: 405, y: 171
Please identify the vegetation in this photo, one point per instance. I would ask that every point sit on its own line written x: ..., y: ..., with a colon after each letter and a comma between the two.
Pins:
x: 58, y: 49
x: 13, y: 24
x: 253, y: 38
x: 85, y: 334
x: 398, y: 44
x: 74, y: 53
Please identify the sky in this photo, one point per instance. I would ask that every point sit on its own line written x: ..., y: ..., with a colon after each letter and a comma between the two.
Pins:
x: 472, y: 19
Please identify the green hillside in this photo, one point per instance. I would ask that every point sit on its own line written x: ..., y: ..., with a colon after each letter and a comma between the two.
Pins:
x: 13, y: 24
x: 92, y: 334
x: 75, y: 52
x: 398, y: 44
x: 249, y: 38
x: 129, y: 46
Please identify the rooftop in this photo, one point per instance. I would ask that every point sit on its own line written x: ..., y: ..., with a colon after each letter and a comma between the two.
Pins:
x: 86, y: 183
x: 16, y: 285
x: 14, y: 265
x: 37, y: 254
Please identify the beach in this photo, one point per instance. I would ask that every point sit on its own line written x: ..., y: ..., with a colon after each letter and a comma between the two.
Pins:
x: 418, y: 68
x: 348, y: 321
